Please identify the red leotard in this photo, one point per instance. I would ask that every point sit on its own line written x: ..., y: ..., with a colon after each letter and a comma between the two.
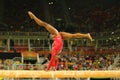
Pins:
x: 57, y: 47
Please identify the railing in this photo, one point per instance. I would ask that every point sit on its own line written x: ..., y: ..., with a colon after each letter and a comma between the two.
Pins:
x: 23, y: 33
x: 17, y: 33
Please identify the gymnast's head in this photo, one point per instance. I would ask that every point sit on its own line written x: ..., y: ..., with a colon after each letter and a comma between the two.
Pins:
x: 51, y: 36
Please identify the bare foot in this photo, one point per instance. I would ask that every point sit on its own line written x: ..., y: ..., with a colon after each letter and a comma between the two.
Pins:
x: 53, y: 69
x: 46, y: 70
x: 89, y: 36
x: 30, y: 14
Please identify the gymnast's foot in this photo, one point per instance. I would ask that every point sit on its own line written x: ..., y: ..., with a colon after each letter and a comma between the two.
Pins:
x: 31, y: 14
x: 54, y: 69
x: 50, y: 70
x: 89, y: 36
x: 46, y: 70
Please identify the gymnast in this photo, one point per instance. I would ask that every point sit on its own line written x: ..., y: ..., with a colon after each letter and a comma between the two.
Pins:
x: 57, y: 38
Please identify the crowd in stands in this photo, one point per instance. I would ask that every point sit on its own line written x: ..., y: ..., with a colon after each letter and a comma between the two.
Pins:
x: 87, y: 62
x: 92, y: 19
x: 98, y: 19
x: 6, y: 64
x: 66, y: 62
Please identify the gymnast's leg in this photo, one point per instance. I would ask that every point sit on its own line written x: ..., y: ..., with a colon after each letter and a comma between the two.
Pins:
x: 56, y: 64
x: 52, y: 60
x: 47, y: 26
x: 66, y: 35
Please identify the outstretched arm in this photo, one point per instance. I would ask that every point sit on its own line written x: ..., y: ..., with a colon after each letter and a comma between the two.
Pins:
x: 47, y: 26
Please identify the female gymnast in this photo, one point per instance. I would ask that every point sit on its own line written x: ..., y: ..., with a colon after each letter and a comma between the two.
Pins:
x: 57, y: 38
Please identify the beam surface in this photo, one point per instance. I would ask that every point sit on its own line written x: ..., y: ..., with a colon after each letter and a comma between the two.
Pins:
x: 59, y: 74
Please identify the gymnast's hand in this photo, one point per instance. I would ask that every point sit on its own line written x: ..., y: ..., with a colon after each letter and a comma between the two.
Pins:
x: 30, y: 14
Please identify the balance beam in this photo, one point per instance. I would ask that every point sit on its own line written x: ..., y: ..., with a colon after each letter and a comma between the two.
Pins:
x: 59, y: 74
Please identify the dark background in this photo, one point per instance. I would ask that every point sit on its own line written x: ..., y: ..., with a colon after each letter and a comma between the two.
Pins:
x: 65, y: 15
